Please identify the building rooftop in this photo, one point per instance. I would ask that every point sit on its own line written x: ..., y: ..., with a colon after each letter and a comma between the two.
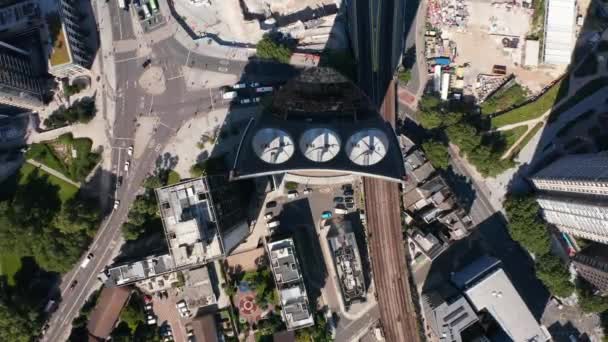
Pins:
x: 292, y: 292
x: 489, y: 288
x: 448, y: 313
x: 591, y: 167
x: 198, y: 289
x: 190, y: 223
x: 319, y: 121
x: 205, y: 328
x: 60, y: 52
x: 19, y: 15
x: 560, y: 31
x: 347, y: 260
x: 139, y: 270
x: 107, y: 311
x: 427, y: 244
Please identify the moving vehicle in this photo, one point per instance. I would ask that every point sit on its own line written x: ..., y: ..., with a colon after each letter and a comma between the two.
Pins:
x: 122, y: 4
x: 326, y: 215
x: 271, y: 204
x: 73, y: 284
x: 147, y: 62
x: 273, y: 224
x: 130, y: 150
x: 86, y: 260
x: 127, y: 163
x: 229, y: 95
x: 116, y: 204
x: 51, y: 306
x: 293, y: 194
x: 340, y: 210
x: 119, y: 182
x: 264, y: 89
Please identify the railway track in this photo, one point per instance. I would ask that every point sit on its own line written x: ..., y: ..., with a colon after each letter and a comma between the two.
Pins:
x: 391, y: 273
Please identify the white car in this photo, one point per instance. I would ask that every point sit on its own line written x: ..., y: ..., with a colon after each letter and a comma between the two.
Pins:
x: 268, y: 216
x: 127, y: 163
x: 307, y: 191
x: 151, y: 320
x: 130, y: 151
x: 293, y: 194
x: 273, y: 224
x: 116, y: 204
x: 239, y: 86
x: 254, y: 84
x: 86, y: 261
x: 255, y: 100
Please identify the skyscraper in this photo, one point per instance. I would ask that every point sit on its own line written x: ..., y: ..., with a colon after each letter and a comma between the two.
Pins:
x: 573, y: 195
x: 19, y: 83
x: 591, y: 263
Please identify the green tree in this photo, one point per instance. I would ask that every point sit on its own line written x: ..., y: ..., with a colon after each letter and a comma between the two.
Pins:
x: 437, y: 153
x: 133, y: 313
x: 270, y: 48
x: 525, y: 226
x: 430, y: 119
x: 590, y: 302
x: 554, y: 275
x: 15, y: 326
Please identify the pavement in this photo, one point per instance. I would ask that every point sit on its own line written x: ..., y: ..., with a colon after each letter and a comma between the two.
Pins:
x: 53, y: 172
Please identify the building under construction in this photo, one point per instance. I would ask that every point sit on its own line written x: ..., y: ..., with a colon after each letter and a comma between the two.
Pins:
x: 347, y: 261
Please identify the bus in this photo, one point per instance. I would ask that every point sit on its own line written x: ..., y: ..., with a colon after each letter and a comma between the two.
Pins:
x: 153, y: 6
x: 122, y: 4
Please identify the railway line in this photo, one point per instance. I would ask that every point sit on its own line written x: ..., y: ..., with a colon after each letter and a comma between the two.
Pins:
x: 390, y: 270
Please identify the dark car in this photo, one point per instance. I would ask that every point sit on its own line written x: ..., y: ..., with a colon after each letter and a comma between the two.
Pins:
x: 146, y: 63
x: 73, y: 284
x: 119, y: 182
x: 349, y: 200
x: 350, y: 205
x: 347, y: 187
x: 338, y: 199
x: 271, y: 204
x: 348, y: 192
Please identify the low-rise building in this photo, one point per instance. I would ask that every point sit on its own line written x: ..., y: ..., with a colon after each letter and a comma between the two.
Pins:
x: 130, y: 273
x: 204, y: 328
x: 347, y: 261
x: 425, y: 245
x: 295, y: 311
x: 106, y: 313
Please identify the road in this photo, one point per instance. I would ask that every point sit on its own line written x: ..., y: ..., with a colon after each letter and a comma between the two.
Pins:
x: 175, y: 105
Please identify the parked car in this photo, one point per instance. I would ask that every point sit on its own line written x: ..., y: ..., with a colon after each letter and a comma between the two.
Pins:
x: 229, y: 95
x: 326, y: 215
x: 253, y: 84
x: 349, y: 200
x: 307, y: 191
x: 255, y: 100
x: 340, y: 210
x: 350, y: 205
x: 264, y: 89
x: 349, y: 192
x: 273, y: 224
x: 268, y: 216
x: 151, y: 319
x: 245, y: 101
x: 293, y: 194
x: 271, y: 204
x: 239, y: 86
x: 338, y: 199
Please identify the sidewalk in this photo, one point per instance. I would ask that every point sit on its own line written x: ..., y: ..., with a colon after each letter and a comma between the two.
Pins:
x: 53, y: 172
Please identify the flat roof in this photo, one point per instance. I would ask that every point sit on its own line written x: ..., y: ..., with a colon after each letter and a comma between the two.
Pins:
x: 189, y: 222
x: 531, y: 54
x: 347, y: 260
x: 591, y: 167
x: 560, y: 29
x: 283, y: 261
x: 496, y: 294
x: 139, y: 270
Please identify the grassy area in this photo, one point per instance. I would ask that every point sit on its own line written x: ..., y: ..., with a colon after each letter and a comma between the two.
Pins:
x: 173, y: 177
x: 511, y: 136
x: 66, y: 190
x: 60, y: 54
x: 531, y: 110
x: 72, y: 157
x: 538, y: 20
x: 513, y: 96
x: 527, y: 138
x: 9, y: 265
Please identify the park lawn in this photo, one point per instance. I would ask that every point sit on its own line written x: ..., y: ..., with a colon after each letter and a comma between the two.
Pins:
x: 44, y: 153
x: 511, y: 136
x: 513, y: 96
x: 9, y: 265
x: 173, y: 177
x: 66, y: 190
x: 527, y: 138
x: 531, y: 110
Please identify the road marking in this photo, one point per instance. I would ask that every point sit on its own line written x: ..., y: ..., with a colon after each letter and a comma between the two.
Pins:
x: 128, y: 59
x: 175, y: 77
x: 123, y: 138
x: 171, y: 128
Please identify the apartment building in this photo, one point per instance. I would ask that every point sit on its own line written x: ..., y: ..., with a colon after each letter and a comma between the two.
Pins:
x: 591, y: 264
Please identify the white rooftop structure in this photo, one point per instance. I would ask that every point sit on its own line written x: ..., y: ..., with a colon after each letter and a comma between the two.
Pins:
x: 189, y: 222
x: 320, y: 144
x: 367, y: 147
x: 272, y: 145
x: 288, y: 279
x: 129, y: 273
x: 496, y: 294
x: 560, y: 31
x: 531, y: 54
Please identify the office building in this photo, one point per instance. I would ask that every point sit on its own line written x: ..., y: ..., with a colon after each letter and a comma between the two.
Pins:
x: 18, y: 17
x: 69, y: 54
x: 319, y: 125
x: 20, y: 81
x: 347, y: 261
x: 488, y: 289
x: 448, y: 313
x: 295, y: 310
x: 199, y: 215
x: 573, y: 195
x: 591, y: 264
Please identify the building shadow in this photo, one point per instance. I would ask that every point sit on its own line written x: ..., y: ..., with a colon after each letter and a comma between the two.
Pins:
x: 565, y: 332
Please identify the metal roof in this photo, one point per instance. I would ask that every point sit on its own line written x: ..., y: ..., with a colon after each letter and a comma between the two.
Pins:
x: 560, y: 29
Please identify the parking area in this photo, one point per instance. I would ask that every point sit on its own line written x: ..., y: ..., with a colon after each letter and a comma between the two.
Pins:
x: 148, y: 13
x: 168, y: 318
